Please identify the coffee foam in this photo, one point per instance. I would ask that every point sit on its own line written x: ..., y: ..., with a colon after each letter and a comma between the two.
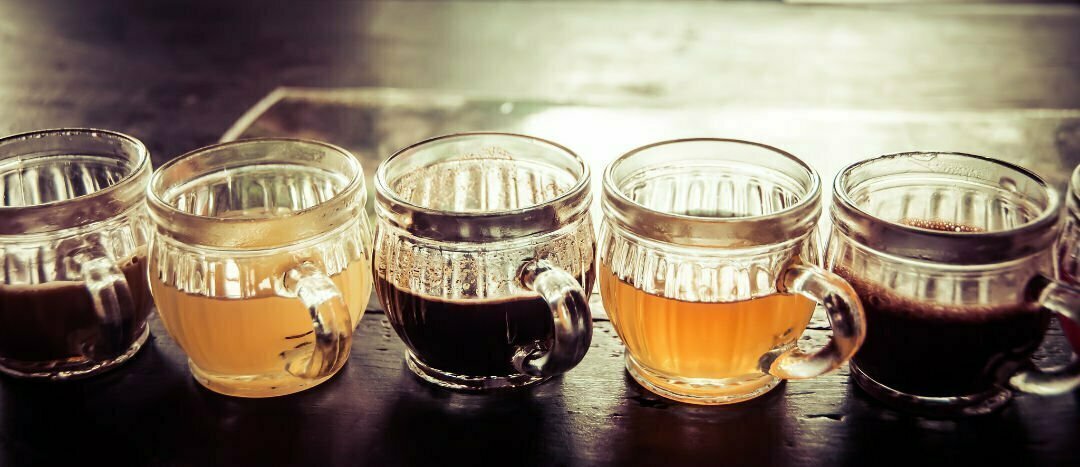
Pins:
x: 941, y: 225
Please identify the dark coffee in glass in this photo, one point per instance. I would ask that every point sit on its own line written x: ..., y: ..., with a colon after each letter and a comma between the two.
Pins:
x: 74, y: 299
x: 1068, y: 253
x: 469, y: 336
x: 53, y: 322
x: 484, y: 258
x: 952, y: 257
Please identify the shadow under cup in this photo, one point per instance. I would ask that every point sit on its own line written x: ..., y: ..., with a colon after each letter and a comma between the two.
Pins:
x: 951, y: 255
x: 73, y: 293
x: 484, y: 258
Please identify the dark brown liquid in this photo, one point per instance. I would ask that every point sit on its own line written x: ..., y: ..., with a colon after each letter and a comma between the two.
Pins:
x: 932, y: 350
x: 468, y: 337
x: 53, y: 321
x: 1068, y: 270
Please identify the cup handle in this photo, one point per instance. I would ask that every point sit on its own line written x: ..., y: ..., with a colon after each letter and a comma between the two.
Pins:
x: 113, y: 303
x: 845, y: 317
x: 330, y: 319
x: 570, y: 315
x: 1065, y: 301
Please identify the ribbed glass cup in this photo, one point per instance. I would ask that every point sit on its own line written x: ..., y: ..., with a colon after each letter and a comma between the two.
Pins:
x: 952, y: 256
x: 73, y: 293
x: 709, y: 269
x: 260, y: 262
x: 484, y: 258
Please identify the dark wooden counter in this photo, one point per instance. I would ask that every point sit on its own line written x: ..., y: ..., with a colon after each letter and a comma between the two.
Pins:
x: 151, y: 412
x: 178, y: 74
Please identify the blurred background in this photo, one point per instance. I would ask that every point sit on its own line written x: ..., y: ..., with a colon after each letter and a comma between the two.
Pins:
x: 990, y: 77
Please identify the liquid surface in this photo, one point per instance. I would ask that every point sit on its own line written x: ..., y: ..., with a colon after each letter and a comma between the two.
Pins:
x: 943, y: 226
x: 52, y: 321
x: 702, y: 340
x: 255, y: 336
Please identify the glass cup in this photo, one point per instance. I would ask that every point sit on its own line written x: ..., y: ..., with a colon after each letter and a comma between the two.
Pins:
x: 484, y: 258
x: 951, y: 254
x: 73, y: 294
x: 709, y: 269
x: 260, y: 262
x: 1068, y: 250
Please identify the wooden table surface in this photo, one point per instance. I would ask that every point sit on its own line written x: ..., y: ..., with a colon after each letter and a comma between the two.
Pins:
x: 178, y: 74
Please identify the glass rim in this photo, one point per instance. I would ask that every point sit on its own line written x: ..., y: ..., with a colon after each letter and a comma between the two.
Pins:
x: 355, y: 182
x: 224, y: 233
x: 941, y: 246
x: 804, y: 212
x: 483, y: 226
x: 142, y: 160
x: 1048, y: 214
x: 383, y: 187
x: 815, y: 182
x: 139, y: 168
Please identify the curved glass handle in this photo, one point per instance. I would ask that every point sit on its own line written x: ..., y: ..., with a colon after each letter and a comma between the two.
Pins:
x: 113, y: 303
x: 330, y: 320
x: 1065, y: 301
x: 570, y: 315
x: 845, y: 316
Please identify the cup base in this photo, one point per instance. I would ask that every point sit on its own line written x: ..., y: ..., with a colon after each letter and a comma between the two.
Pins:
x: 468, y: 383
x: 933, y: 407
x: 257, y: 386
x: 64, y: 370
x: 700, y: 391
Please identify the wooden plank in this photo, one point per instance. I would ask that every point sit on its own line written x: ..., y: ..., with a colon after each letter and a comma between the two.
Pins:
x: 150, y: 411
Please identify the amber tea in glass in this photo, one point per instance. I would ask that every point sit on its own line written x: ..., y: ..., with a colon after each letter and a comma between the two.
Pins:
x: 260, y: 262
x: 708, y: 269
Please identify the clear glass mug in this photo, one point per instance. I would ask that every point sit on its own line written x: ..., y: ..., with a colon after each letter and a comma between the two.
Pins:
x: 484, y: 258
x: 1068, y: 251
x: 709, y: 269
x: 73, y: 294
x: 260, y: 262
x: 952, y: 255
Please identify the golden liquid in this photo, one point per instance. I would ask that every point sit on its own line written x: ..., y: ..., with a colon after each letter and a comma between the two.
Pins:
x: 696, y: 340
x: 242, y: 345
